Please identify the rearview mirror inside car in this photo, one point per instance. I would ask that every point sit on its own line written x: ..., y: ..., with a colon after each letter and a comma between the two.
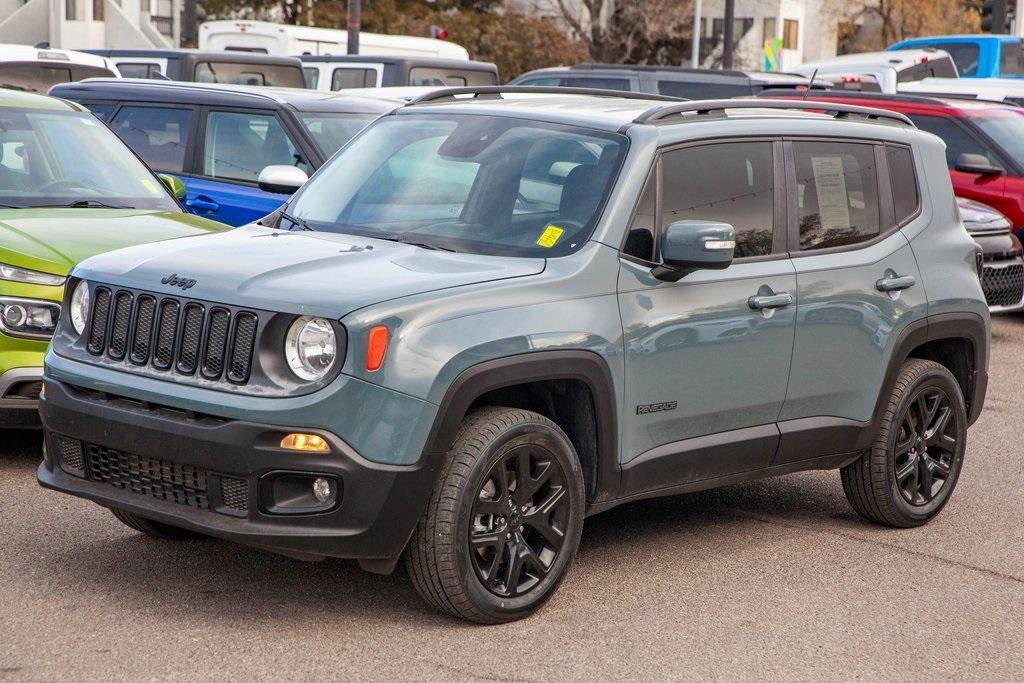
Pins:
x: 281, y: 179
x: 976, y: 163
x: 690, y: 245
x: 173, y: 184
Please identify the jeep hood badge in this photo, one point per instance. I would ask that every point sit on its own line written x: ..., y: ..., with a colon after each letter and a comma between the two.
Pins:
x: 175, y: 281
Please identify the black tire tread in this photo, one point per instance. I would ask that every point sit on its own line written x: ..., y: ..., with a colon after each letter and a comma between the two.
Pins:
x: 866, y: 480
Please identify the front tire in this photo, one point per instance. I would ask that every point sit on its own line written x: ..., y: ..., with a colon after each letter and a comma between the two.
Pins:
x: 504, y: 519
x: 912, y: 468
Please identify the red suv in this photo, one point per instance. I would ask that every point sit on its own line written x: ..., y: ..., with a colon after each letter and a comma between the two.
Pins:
x: 984, y: 143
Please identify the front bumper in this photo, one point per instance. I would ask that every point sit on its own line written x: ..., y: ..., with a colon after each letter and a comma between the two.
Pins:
x: 19, y: 403
x: 187, y: 470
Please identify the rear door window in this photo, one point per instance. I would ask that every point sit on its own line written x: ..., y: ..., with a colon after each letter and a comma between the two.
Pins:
x: 238, y: 145
x: 836, y: 194
x: 157, y: 134
x: 732, y: 182
x: 37, y: 78
x: 138, y: 70
x: 703, y: 91
x: 250, y: 74
x: 421, y: 75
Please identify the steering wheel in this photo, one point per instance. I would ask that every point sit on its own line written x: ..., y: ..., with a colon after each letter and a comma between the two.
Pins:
x: 65, y: 183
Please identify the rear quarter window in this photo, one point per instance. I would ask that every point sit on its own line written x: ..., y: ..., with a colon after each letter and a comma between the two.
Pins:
x: 905, y: 195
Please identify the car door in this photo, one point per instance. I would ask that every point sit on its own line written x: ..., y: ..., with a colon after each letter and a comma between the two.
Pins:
x: 707, y: 358
x: 858, y: 286
x: 235, y: 145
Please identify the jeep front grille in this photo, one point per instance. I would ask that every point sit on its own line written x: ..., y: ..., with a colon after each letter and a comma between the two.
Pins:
x: 184, y: 337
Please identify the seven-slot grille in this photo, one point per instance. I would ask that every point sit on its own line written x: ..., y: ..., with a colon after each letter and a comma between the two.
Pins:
x: 1003, y: 285
x: 189, y: 337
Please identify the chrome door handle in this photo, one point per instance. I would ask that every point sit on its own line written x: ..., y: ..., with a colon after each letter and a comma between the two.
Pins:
x: 762, y: 301
x: 894, y: 283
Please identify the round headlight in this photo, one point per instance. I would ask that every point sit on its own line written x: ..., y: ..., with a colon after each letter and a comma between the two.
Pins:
x: 310, y: 347
x: 79, y: 307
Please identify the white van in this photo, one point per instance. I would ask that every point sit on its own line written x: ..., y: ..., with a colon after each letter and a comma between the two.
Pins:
x: 36, y: 69
x: 887, y: 68
x: 288, y: 40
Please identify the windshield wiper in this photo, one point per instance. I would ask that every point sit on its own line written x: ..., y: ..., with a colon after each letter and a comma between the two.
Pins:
x: 296, y: 222
x: 82, y: 204
x: 424, y: 245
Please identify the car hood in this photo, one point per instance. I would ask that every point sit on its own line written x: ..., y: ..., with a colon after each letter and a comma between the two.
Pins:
x: 311, y: 273
x: 54, y: 240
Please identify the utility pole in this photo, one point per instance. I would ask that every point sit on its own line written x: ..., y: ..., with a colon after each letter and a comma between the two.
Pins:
x: 190, y: 24
x: 695, y: 50
x: 355, y: 18
x: 730, y: 19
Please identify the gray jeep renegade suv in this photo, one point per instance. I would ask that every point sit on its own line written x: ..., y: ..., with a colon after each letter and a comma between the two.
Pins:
x: 490, y: 316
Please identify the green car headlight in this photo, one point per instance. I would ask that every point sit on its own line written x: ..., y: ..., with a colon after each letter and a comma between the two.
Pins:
x: 30, y: 277
x: 29, y: 318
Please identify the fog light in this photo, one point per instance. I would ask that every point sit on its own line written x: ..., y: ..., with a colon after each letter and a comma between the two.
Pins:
x: 322, y: 489
x: 305, y: 442
x: 15, y: 315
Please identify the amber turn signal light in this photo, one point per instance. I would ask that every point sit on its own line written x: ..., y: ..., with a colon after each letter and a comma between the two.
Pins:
x: 376, y: 347
x: 305, y: 442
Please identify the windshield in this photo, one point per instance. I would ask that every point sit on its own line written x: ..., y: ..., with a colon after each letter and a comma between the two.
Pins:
x: 331, y: 131
x: 1007, y: 130
x: 481, y: 184
x: 61, y: 158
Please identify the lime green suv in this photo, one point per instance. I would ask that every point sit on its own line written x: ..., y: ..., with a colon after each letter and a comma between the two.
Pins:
x: 69, y: 189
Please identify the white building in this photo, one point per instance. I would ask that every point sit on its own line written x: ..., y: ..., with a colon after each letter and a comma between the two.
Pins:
x: 78, y: 24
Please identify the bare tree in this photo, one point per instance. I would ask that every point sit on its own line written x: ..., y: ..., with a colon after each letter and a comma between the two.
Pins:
x: 634, y: 31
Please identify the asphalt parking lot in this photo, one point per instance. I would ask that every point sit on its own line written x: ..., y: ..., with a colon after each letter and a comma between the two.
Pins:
x: 775, y: 579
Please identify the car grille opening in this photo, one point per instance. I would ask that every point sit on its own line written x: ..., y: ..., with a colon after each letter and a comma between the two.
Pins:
x: 235, y: 493
x: 1003, y: 285
x: 186, y: 337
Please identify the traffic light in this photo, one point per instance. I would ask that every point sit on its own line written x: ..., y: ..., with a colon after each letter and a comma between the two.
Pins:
x: 441, y: 34
x: 995, y: 16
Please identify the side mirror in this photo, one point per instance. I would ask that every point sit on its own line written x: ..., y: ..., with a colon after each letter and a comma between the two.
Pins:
x: 687, y: 246
x: 173, y: 184
x: 281, y: 179
x: 976, y: 163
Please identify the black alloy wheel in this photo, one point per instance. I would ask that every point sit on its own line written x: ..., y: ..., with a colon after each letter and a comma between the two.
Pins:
x: 519, y: 519
x: 926, y: 446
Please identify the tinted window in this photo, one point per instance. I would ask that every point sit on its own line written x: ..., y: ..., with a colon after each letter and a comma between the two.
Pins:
x: 156, y: 134
x: 731, y: 182
x: 939, y: 68
x: 596, y: 82
x: 240, y: 145
x: 33, y: 77
x: 957, y: 138
x: 331, y: 131
x: 1006, y: 127
x: 546, y: 81
x: 1011, y: 59
x: 965, y: 55
x: 346, y: 77
x: 421, y: 75
x: 904, y: 182
x: 100, y: 110
x: 312, y: 76
x: 250, y: 74
x: 138, y: 70
x: 836, y: 193
x: 703, y: 91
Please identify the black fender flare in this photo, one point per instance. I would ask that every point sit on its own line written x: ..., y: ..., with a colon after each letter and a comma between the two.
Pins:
x: 481, y: 378
x: 968, y: 326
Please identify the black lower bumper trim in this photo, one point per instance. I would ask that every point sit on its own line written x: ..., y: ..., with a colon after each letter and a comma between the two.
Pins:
x: 380, y: 504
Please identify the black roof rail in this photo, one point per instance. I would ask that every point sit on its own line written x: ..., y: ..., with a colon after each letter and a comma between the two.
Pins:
x: 496, y: 91
x: 702, y: 108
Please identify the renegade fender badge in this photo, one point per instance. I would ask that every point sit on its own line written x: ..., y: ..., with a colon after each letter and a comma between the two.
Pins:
x: 175, y: 281
x: 655, y: 407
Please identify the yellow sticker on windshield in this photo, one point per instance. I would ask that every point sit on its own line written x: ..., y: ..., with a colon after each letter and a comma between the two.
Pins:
x: 151, y: 185
x: 550, y: 236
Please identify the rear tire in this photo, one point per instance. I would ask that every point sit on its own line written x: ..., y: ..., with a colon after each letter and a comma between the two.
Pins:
x: 504, y: 520
x: 913, y: 466
x: 154, y: 529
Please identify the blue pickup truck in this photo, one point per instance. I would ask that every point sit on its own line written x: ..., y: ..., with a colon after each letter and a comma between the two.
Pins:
x: 976, y: 56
